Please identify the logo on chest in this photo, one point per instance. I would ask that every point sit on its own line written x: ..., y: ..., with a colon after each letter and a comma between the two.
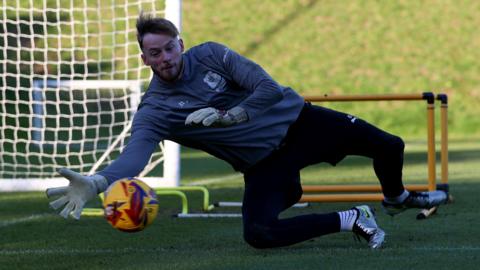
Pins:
x: 214, y: 81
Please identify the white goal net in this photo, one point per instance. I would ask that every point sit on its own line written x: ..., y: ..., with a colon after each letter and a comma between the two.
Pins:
x: 71, y: 78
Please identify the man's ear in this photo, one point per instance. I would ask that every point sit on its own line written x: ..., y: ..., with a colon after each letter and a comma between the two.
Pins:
x: 144, y: 59
x: 182, y: 47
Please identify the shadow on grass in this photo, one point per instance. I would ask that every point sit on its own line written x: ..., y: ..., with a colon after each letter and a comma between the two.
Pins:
x: 301, y: 8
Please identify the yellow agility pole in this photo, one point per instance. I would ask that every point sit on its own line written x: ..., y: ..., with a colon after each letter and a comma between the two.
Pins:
x: 443, y: 98
x: 206, y: 206
x: 431, y: 144
x: 431, y: 183
x: 444, y: 136
x: 389, y: 97
x: 356, y: 188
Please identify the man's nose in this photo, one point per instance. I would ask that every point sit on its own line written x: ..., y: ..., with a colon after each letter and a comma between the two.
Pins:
x: 166, y: 57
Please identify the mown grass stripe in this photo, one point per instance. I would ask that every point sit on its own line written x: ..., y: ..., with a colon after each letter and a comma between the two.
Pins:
x: 46, y: 251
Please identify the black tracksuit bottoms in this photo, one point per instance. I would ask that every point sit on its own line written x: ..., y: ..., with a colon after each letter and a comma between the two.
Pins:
x: 318, y: 135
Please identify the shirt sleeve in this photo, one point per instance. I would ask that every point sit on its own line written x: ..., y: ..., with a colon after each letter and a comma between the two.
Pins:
x: 135, y: 156
x: 266, y: 92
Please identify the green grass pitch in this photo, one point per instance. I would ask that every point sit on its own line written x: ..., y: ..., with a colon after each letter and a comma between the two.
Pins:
x: 316, y: 47
x: 32, y: 237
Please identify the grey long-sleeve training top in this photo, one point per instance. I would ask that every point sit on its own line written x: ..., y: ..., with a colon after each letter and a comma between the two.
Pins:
x: 213, y: 76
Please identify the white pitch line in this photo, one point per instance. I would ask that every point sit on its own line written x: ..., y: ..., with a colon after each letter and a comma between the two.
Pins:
x: 47, y: 251
x: 11, y: 222
x: 44, y: 251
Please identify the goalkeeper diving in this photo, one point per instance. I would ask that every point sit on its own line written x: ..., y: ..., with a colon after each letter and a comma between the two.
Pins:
x: 213, y: 99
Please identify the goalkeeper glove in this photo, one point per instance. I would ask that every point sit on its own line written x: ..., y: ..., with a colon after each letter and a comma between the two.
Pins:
x: 80, y: 190
x: 217, y: 118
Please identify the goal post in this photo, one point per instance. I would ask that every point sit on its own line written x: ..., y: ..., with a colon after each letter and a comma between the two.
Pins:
x: 71, y: 79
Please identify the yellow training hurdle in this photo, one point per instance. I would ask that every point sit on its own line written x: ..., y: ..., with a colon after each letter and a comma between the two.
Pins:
x: 312, y: 191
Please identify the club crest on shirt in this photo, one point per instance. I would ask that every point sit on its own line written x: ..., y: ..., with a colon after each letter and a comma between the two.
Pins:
x: 214, y: 81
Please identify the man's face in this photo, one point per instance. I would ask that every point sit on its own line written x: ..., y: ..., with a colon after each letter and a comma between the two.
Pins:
x: 163, y: 54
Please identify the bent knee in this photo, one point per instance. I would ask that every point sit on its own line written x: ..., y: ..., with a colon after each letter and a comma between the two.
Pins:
x: 392, y: 144
x: 397, y: 144
x: 259, y: 236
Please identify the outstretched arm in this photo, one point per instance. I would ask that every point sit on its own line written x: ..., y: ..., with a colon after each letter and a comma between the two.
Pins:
x: 82, y: 188
x: 133, y: 158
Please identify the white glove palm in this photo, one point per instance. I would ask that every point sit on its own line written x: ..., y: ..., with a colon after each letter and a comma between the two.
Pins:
x: 217, y: 118
x: 80, y: 190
